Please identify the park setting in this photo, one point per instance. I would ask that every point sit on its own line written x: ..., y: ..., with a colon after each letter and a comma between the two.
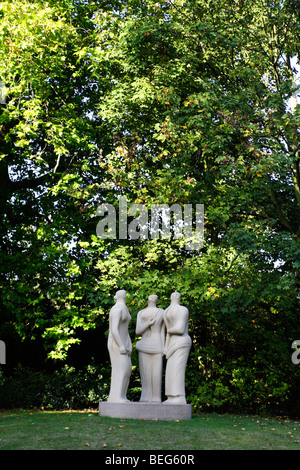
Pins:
x: 150, y: 225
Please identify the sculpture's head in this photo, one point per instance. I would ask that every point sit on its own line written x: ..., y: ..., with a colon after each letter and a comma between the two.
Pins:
x: 175, y: 296
x: 152, y: 298
x: 120, y: 294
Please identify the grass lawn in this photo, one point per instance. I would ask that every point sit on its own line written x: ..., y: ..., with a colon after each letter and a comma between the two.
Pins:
x: 52, y: 430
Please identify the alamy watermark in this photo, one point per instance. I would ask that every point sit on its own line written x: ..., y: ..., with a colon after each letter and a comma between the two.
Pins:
x: 2, y: 352
x: 2, y: 92
x: 296, y: 354
x: 162, y: 221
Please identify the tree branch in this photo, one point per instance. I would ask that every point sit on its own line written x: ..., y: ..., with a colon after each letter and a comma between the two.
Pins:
x: 9, y: 186
x: 281, y: 215
x: 28, y: 183
x: 296, y: 180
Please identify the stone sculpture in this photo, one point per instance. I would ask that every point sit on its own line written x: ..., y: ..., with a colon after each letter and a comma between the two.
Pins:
x: 2, y: 350
x: 119, y: 347
x: 177, y: 348
x: 150, y: 326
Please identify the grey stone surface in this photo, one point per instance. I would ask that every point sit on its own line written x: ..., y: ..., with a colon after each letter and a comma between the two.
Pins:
x: 151, y: 327
x: 177, y: 348
x: 139, y: 410
x: 119, y: 347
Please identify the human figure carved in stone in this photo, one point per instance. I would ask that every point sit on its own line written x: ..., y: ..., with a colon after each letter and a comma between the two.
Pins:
x: 119, y: 347
x: 150, y: 326
x: 177, y: 348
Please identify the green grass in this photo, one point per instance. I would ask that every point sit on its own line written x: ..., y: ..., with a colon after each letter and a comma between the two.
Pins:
x: 47, y: 430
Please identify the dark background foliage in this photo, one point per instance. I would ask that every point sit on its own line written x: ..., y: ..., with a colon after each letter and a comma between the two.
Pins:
x: 161, y: 102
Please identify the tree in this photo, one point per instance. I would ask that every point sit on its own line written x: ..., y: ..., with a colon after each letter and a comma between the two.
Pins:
x: 48, y: 165
x: 161, y: 102
x: 199, y: 107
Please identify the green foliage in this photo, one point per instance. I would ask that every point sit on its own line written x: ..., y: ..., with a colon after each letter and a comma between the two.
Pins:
x: 161, y: 102
x: 252, y: 384
x: 63, y: 388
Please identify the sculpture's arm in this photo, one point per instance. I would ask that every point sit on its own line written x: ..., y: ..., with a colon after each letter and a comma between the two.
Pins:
x: 180, y: 325
x: 162, y: 334
x: 129, y: 345
x: 142, y: 325
x: 114, y: 327
x: 166, y: 344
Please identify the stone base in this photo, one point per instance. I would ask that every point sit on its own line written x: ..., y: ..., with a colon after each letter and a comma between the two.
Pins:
x: 138, y: 410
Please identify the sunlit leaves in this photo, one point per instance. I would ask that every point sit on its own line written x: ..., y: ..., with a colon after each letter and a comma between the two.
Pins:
x: 182, y: 101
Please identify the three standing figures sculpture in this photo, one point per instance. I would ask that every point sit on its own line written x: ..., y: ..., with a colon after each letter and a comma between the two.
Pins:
x: 163, y: 332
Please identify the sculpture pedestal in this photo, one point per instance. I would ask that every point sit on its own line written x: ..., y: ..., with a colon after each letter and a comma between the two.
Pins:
x: 138, y: 410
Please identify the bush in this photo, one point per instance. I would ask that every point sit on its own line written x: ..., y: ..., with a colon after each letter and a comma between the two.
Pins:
x: 62, y: 388
x: 239, y: 384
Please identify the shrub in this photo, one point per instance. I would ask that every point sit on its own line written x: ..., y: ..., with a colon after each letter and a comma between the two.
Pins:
x: 62, y: 388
